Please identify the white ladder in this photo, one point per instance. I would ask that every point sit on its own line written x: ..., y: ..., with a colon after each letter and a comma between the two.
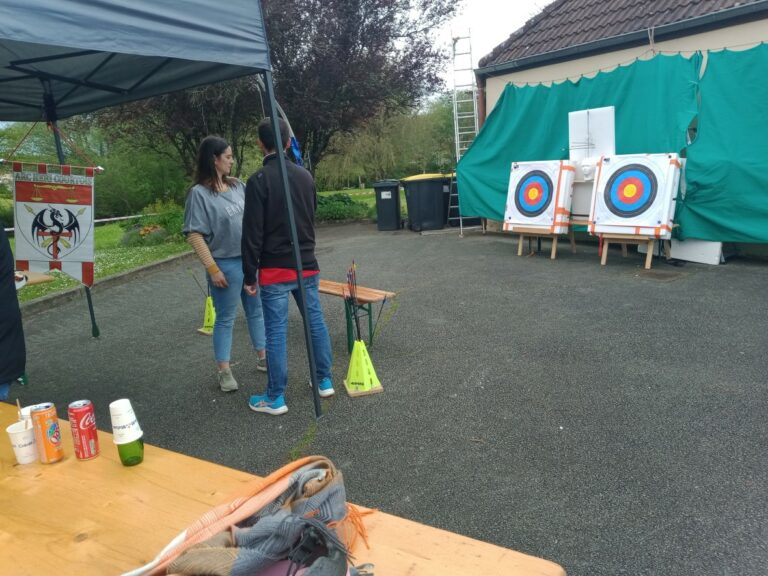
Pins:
x: 465, y: 122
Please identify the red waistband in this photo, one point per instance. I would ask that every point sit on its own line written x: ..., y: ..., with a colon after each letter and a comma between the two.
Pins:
x: 281, y: 275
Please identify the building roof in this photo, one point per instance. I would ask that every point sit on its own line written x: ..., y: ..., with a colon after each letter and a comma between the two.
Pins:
x: 568, y: 29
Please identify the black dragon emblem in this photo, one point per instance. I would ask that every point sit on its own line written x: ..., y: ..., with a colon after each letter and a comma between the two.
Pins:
x: 53, y: 228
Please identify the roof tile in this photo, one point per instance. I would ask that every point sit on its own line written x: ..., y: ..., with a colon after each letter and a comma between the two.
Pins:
x: 566, y: 23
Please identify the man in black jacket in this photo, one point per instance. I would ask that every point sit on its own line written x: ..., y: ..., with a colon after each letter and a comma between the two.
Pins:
x: 269, y: 265
x: 13, y: 353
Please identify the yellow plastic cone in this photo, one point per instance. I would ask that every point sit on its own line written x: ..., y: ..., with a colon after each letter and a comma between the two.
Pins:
x: 208, y: 319
x: 361, y: 377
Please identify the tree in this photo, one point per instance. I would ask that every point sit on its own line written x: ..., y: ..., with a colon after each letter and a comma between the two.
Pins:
x: 28, y: 142
x: 173, y: 125
x: 339, y: 63
x: 392, y: 146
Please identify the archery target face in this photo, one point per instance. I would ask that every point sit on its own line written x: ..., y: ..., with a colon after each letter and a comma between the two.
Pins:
x: 635, y: 191
x: 631, y: 190
x: 533, y: 194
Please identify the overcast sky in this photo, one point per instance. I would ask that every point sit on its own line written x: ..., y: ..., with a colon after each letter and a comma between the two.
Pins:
x: 489, y: 23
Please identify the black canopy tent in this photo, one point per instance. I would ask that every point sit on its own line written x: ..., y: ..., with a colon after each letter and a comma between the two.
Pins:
x: 60, y: 58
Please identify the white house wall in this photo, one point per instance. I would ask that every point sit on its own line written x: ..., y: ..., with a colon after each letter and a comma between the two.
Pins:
x: 735, y: 37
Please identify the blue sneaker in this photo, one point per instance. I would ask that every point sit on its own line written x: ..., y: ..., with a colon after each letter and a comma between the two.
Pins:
x: 264, y: 404
x: 325, y: 389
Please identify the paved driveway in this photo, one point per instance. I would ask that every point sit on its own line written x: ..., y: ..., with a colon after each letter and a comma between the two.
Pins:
x: 609, y: 419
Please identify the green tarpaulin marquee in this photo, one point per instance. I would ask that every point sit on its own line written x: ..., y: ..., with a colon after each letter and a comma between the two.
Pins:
x: 655, y: 101
x: 726, y: 195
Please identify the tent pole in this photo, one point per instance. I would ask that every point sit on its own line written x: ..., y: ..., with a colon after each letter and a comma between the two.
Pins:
x: 50, y: 113
x: 272, y: 105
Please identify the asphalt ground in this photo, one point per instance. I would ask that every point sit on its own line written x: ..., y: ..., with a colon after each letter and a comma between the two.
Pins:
x: 609, y: 419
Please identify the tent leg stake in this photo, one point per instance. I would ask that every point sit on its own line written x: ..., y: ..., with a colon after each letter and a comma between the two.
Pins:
x: 94, y: 327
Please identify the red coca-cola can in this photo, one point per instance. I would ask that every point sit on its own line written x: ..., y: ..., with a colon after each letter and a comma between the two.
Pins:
x: 85, y: 437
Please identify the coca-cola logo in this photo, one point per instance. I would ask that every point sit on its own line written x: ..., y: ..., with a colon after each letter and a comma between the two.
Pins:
x: 88, y: 421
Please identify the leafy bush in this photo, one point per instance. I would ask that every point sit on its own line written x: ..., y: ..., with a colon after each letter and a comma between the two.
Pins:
x: 151, y: 235
x: 6, y: 212
x: 133, y: 179
x: 338, y: 207
x: 160, y: 222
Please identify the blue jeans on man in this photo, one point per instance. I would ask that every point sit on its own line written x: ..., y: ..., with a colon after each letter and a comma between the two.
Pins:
x: 274, y: 302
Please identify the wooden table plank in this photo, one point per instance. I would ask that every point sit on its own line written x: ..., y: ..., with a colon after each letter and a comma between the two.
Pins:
x: 97, y: 517
x: 364, y: 295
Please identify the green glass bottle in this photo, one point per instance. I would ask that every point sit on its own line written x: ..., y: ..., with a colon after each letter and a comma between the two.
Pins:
x: 131, y: 453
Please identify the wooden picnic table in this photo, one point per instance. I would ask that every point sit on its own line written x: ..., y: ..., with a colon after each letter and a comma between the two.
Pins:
x: 97, y: 517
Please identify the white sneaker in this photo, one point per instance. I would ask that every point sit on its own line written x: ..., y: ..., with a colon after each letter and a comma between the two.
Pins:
x: 227, y: 382
x: 261, y: 364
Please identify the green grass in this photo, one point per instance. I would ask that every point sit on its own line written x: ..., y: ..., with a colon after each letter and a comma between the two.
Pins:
x: 304, y: 444
x: 111, y: 258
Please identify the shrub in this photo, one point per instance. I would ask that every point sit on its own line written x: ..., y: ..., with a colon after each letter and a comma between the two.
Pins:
x: 151, y: 235
x: 160, y: 222
x: 6, y: 212
x: 340, y: 207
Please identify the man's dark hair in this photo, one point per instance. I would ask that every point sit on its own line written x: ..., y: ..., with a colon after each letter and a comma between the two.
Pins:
x: 267, y: 137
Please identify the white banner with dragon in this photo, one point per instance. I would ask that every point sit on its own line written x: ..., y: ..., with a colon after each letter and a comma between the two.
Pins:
x: 54, y: 219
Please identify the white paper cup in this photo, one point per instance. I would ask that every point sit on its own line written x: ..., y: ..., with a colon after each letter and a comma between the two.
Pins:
x: 125, y: 426
x: 22, y: 435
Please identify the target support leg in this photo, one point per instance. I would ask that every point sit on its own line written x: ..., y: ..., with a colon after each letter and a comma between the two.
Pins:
x: 520, y: 246
x: 623, y: 250
x: 604, y: 256
x: 649, y: 255
x: 553, y: 255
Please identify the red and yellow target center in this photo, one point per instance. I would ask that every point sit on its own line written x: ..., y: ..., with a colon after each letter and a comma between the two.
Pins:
x: 631, y: 190
x: 533, y: 194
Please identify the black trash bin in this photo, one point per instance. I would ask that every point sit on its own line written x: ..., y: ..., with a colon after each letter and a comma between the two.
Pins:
x: 427, y: 197
x: 387, y: 204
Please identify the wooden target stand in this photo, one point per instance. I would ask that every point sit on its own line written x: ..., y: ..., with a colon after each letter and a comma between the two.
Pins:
x: 625, y: 239
x: 538, y: 234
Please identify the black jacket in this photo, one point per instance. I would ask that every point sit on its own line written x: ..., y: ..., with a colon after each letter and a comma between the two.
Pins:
x: 13, y: 353
x: 266, y: 231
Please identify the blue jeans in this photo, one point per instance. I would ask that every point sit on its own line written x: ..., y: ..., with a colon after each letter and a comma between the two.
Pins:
x: 274, y: 301
x: 225, y: 303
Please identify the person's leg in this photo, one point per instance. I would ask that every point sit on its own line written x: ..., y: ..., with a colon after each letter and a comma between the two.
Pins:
x: 254, y: 317
x: 225, y: 304
x: 274, y: 303
x: 321, y: 341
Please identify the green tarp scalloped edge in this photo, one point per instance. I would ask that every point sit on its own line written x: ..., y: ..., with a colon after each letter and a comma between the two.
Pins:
x: 655, y: 101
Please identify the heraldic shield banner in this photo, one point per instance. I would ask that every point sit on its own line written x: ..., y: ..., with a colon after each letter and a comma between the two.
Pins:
x: 54, y: 219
